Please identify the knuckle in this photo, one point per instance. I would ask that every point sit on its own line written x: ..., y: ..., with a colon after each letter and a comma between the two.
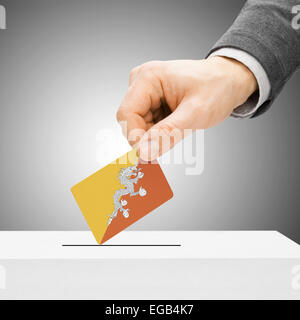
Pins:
x: 146, y: 76
x: 120, y: 115
x: 168, y: 127
x: 170, y: 134
x: 151, y: 71
x: 134, y: 71
x: 150, y: 67
x: 152, y: 64
x: 170, y: 130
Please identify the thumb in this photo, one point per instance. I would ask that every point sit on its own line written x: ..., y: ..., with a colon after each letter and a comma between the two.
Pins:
x: 164, y: 135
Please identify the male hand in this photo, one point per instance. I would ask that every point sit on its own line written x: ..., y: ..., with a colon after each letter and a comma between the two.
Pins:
x: 166, y: 98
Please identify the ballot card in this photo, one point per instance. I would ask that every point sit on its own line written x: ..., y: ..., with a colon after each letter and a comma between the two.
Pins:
x: 120, y: 194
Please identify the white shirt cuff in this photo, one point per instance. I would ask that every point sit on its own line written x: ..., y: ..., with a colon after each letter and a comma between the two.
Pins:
x: 264, y: 86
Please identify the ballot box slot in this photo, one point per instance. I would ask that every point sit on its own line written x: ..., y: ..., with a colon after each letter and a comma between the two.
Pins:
x: 121, y: 245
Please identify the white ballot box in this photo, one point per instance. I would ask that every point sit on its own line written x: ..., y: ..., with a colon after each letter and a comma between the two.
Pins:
x: 149, y: 265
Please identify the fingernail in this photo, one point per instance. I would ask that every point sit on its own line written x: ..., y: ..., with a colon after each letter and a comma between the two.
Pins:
x: 149, y: 150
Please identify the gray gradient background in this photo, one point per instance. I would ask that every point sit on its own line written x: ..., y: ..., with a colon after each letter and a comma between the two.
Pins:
x: 63, y: 71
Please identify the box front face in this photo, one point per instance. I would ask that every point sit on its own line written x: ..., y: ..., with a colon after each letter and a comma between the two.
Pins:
x: 165, y: 279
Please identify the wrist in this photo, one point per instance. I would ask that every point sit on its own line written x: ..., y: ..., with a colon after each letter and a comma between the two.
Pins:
x: 241, y: 76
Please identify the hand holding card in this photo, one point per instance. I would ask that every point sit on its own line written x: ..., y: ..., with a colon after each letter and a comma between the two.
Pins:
x: 118, y: 195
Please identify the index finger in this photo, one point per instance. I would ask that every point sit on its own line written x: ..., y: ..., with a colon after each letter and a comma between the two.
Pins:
x: 133, y: 112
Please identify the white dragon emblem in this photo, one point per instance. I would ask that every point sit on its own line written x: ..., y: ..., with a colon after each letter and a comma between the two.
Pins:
x: 126, y: 178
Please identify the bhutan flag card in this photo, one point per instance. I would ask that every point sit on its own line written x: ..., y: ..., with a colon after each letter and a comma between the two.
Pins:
x: 120, y: 194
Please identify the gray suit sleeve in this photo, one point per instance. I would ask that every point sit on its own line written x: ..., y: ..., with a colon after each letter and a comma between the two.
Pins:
x: 270, y: 32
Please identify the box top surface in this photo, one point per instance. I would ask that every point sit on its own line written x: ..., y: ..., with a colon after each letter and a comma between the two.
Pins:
x: 148, y: 245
